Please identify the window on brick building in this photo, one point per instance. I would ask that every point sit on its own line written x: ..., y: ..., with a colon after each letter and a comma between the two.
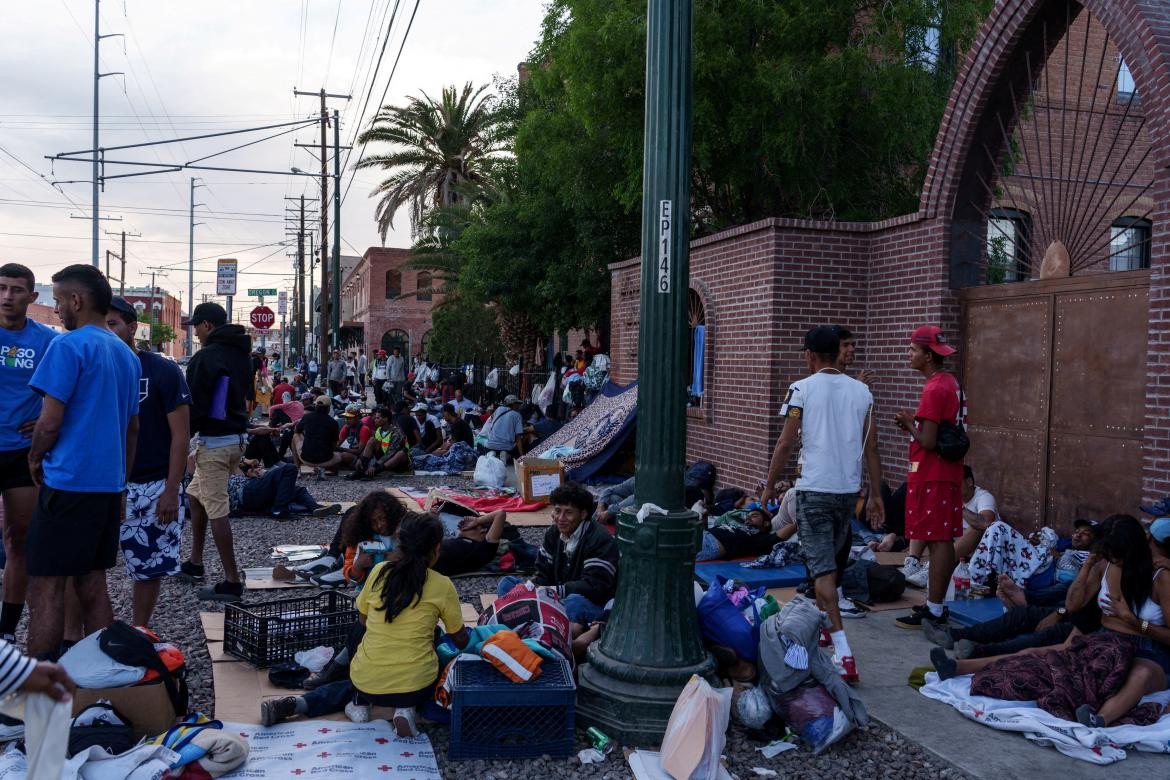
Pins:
x: 393, y: 284
x: 697, y: 319
x: 425, y: 343
x: 423, y: 285
x: 1129, y: 244
x: 1126, y: 89
x: 1007, y: 245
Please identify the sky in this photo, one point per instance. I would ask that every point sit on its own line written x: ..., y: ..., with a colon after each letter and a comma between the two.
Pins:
x: 194, y: 68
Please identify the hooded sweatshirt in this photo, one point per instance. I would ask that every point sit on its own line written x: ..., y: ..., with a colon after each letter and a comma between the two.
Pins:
x: 225, y: 361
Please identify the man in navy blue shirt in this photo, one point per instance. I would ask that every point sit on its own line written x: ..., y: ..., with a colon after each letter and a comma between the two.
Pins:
x: 89, y: 381
x: 152, y: 532
x: 22, y: 345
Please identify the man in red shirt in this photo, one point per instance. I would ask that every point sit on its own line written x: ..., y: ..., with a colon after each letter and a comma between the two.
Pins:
x: 934, y: 499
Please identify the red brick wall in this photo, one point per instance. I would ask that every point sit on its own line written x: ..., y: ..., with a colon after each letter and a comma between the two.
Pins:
x: 379, y: 314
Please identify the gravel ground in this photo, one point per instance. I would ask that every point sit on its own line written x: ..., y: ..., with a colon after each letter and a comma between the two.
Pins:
x: 872, y: 752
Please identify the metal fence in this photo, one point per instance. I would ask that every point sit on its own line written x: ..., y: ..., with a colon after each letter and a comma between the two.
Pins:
x: 475, y: 381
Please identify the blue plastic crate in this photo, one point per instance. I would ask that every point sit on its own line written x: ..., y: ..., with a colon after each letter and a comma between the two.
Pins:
x: 495, y: 718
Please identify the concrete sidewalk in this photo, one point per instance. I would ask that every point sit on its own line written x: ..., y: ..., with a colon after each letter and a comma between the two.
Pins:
x: 886, y: 654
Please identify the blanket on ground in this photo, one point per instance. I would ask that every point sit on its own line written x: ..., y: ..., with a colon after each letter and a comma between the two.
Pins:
x: 459, y: 458
x: 1090, y: 670
x: 1097, y: 746
x: 480, y: 499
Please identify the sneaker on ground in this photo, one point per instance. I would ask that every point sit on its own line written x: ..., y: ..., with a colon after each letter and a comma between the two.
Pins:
x: 919, y: 615
x: 849, y: 610
x: 911, y: 566
x: 319, y: 473
x: 222, y: 591
x: 316, y: 566
x: 920, y: 578
x: 938, y: 634
x: 1087, y: 717
x: 848, y: 668
x: 358, y: 713
x: 274, y: 711
x: 332, y: 579
x: 191, y: 572
x: 327, y: 509
x: 404, y: 725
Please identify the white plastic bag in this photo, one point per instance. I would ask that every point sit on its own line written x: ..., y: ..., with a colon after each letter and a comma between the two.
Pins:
x: 545, y: 399
x: 697, y: 731
x: 514, y: 370
x: 490, y: 471
x: 493, y: 378
x: 752, y: 708
x: 314, y: 660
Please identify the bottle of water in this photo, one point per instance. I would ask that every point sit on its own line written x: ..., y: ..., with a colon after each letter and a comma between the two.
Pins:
x: 962, y: 581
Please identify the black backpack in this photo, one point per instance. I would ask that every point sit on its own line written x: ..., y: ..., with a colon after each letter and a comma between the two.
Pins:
x: 127, y: 645
x: 108, y: 729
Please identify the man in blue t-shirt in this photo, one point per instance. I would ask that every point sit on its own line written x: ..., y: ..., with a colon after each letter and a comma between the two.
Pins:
x: 22, y: 345
x: 507, y: 428
x: 152, y: 532
x: 81, y: 450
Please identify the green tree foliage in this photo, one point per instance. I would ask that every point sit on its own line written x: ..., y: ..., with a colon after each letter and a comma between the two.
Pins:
x: 463, y: 331
x: 820, y: 109
x: 160, y: 332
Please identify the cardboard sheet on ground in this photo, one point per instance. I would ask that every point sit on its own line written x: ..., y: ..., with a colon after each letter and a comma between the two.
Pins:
x: 310, y: 748
x: 1097, y: 746
x: 261, y: 579
x: 647, y: 765
x: 487, y: 599
x: 891, y: 558
x: 782, y: 577
x: 240, y: 687
x: 212, y: 625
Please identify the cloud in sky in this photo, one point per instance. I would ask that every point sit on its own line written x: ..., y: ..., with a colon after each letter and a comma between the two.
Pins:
x: 203, y: 67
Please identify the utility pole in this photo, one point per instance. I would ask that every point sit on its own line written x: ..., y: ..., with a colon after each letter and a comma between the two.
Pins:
x: 97, y: 152
x: 651, y: 645
x: 336, y: 228
x: 191, y: 268
x: 300, y: 314
x: 122, y: 258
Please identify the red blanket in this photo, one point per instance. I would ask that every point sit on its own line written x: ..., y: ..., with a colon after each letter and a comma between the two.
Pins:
x: 489, y: 504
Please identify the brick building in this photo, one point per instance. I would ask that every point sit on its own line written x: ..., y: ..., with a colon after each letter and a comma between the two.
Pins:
x: 166, y: 309
x: 1067, y: 372
x: 46, y: 314
x: 375, y: 314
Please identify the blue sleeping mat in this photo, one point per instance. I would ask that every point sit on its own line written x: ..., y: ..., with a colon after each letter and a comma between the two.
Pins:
x: 784, y: 577
x: 972, y: 611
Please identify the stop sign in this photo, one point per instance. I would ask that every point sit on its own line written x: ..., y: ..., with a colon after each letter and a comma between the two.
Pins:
x: 262, y: 318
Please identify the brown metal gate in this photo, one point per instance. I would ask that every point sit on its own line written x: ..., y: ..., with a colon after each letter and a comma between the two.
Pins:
x: 1055, y: 377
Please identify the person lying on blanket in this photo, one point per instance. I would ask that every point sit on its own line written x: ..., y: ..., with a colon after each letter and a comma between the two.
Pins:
x: 741, y: 533
x: 1084, y: 536
x: 578, y: 559
x: 1132, y: 594
x: 478, y: 545
x: 394, y: 664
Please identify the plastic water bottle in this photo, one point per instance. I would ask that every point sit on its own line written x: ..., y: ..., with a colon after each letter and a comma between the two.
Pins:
x: 962, y: 581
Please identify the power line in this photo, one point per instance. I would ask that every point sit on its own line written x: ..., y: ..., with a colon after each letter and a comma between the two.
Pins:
x: 332, y: 41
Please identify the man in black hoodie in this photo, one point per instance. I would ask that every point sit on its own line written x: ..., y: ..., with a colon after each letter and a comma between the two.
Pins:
x: 220, y: 378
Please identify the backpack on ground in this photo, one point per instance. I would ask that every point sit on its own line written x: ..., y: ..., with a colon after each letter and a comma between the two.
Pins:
x: 133, y: 647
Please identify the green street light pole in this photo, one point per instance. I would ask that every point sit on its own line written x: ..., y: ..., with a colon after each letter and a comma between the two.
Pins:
x: 651, y: 645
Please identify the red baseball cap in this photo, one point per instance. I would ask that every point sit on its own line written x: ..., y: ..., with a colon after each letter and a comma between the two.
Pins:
x: 931, y: 337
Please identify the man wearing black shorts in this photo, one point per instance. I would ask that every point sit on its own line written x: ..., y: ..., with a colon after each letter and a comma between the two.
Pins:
x: 22, y: 345
x: 82, y: 448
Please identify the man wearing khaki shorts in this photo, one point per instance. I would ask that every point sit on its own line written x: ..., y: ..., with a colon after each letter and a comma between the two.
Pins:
x: 219, y: 376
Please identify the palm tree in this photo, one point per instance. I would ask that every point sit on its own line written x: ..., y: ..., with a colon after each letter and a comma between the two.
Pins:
x: 439, y: 148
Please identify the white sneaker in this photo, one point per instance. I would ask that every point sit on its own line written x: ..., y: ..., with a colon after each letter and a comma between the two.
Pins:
x: 357, y: 713
x: 333, y: 579
x: 404, y: 725
x: 316, y: 566
x: 849, y: 610
x: 920, y: 578
x: 912, y: 566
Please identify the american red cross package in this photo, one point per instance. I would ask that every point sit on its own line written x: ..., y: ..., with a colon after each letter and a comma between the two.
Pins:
x: 533, y: 612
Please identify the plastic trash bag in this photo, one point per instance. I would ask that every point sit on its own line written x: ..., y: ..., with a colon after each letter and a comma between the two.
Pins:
x: 490, y: 471
x: 314, y: 660
x: 697, y: 731
x: 493, y: 378
x: 514, y: 370
x: 752, y: 708
x: 810, y: 710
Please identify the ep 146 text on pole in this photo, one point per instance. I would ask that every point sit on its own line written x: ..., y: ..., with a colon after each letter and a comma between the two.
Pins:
x: 664, y: 222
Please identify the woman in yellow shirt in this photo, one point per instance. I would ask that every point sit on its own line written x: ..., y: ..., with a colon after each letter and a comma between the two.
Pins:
x: 395, y: 664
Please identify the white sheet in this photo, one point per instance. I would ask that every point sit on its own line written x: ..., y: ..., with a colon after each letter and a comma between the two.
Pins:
x: 333, y: 749
x: 1097, y: 746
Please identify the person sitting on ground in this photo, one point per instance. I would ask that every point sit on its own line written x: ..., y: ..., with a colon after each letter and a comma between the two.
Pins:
x: 548, y: 424
x: 289, y: 410
x: 282, y: 386
x: 318, y: 439
x: 355, y: 431
x: 406, y: 424
x: 254, y: 490
x: 890, y: 536
x: 429, y: 438
x: 1131, y: 594
x: 394, y: 663
x: 578, y: 558
x: 741, y: 533
x: 613, y: 499
x: 386, y: 449
x: 1085, y: 535
x: 457, y: 430
x: 461, y: 404
x: 375, y: 519
x: 507, y: 429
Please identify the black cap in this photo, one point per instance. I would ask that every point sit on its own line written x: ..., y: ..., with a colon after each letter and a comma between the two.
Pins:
x: 822, y: 340
x: 209, y: 312
x: 843, y: 333
x: 120, y: 304
x: 1092, y: 525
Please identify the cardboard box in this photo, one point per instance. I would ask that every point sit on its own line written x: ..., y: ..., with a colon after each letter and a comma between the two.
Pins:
x: 147, y: 707
x: 538, y: 478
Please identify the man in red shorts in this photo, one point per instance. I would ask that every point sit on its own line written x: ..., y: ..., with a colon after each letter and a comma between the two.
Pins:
x: 934, y: 500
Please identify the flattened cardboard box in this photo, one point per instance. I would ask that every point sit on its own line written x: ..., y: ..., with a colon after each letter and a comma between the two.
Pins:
x: 147, y: 707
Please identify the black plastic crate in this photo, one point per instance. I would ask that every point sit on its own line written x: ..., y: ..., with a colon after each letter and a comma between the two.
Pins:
x: 272, y: 632
x: 495, y: 718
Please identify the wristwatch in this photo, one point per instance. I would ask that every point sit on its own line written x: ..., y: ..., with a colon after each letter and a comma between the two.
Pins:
x: 1062, y: 612
x: 1145, y: 626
